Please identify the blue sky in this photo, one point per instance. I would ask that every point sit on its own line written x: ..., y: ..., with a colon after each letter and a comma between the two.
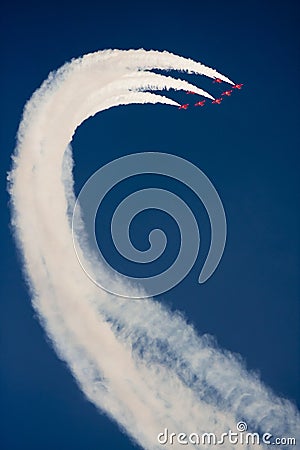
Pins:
x: 249, y: 149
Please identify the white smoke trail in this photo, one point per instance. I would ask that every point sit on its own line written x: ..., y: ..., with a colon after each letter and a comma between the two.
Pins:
x: 141, y: 364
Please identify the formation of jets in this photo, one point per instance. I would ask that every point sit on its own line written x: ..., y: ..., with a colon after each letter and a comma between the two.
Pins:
x: 217, y: 101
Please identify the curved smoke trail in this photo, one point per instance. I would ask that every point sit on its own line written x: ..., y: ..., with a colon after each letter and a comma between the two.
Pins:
x: 141, y: 364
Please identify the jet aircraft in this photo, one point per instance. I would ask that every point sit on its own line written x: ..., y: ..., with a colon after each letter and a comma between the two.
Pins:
x: 238, y: 86
x: 228, y: 93
x: 217, y: 101
x: 200, y: 103
x: 185, y: 106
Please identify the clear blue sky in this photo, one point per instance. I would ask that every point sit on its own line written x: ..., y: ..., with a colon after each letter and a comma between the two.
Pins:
x: 249, y: 147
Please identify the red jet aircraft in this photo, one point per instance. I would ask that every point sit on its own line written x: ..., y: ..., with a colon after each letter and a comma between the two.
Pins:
x: 184, y: 106
x: 217, y: 80
x: 190, y: 92
x: 238, y: 86
x: 228, y: 93
x: 217, y: 101
x: 200, y: 103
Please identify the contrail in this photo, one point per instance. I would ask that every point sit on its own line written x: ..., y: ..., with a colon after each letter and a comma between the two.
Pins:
x: 141, y: 364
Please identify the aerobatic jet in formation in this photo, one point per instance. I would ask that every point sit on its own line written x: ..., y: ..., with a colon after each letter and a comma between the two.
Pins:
x: 217, y: 101
x: 217, y: 80
x: 200, y: 103
x: 190, y: 92
x: 238, y: 86
x: 185, y: 106
x: 228, y: 93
